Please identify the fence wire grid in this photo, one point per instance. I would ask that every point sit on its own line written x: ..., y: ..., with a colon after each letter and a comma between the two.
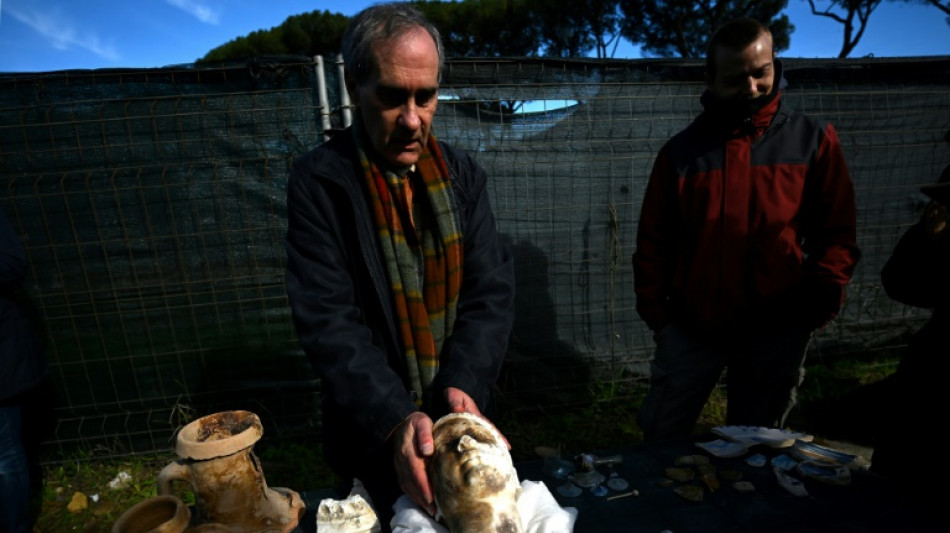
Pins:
x: 151, y: 204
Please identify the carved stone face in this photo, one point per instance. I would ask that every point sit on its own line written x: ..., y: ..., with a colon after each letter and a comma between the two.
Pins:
x: 475, y: 484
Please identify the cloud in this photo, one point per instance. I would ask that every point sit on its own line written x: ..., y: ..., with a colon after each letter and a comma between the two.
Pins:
x: 197, y: 9
x: 61, y: 34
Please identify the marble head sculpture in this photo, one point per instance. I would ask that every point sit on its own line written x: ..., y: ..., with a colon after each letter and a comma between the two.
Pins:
x: 473, y: 479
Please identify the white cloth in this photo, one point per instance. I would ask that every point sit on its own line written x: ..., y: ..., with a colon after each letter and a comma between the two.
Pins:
x: 540, y: 513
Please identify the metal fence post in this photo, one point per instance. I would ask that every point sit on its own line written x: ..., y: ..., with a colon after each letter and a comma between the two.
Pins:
x: 345, y: 107
x: 322, y: 95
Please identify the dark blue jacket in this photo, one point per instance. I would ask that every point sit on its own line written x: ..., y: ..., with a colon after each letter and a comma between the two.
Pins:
x: 22, y: 361
x: 342, y: 306
x: 918, y: 274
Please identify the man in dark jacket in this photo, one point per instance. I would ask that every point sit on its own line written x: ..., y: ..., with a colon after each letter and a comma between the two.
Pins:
x: 745, y: 243
x: 918, y: 274
x: 401, y: 292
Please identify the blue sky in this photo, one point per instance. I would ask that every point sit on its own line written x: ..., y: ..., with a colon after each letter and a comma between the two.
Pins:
x: 48, y: 35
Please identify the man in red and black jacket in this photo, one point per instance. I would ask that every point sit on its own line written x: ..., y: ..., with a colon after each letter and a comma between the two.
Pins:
x: 745, y: 243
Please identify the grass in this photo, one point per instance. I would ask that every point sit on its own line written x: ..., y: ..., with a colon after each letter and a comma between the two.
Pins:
x: 833, y: 389
x: 91, y: 478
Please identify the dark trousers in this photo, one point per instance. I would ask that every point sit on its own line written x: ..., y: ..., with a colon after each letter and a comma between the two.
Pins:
x: 14, y: 473
x: 763, y: 372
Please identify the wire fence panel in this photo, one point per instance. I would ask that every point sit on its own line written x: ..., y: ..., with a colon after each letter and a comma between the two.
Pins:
x: 151, y: 204
x: 152, y: 207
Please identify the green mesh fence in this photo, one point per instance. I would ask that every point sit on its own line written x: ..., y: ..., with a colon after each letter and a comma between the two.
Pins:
x: 151, y: 205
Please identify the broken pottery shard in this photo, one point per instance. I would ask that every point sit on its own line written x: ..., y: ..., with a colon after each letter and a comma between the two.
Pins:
x: 743, y: 486
x: 730, y: 475
x: 122, y: 480
x: 821, y: 455
x: 789, y: 483
x: 352, y: 515
x: 691, y: 460
x: 832, y: 475
x: 693, y: 493
x: 751, y: 435
x: 707, y: 473
x: 783, y: 462
x: 618, y: 484
x: 569, y: 490
x: 546, y: 452
x: 723, y: 448
x: 680, y: 473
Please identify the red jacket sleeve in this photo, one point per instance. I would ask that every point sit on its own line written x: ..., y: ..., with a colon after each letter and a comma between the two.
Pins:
x: 829, y: 231
x: 654, y: 257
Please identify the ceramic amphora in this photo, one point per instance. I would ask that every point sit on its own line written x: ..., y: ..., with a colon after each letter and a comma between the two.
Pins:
x: 216, y: 458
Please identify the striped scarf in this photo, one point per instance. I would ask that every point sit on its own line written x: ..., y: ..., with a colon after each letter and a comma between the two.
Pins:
x: 421, y: 244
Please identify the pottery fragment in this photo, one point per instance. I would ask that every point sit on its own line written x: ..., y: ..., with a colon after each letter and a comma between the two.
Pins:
x: 693, y: 493
x: 680, y: 473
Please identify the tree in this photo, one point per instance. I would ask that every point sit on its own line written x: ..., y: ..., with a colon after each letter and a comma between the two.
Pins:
x: 307, y: 34
x: 852, y: 8
x: 484, y: 28
x: 682, y: 28
x: 573, y: 29
x: 941, y: 5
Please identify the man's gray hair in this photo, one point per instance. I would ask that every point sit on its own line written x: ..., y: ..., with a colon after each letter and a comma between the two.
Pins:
x: 382, y: 22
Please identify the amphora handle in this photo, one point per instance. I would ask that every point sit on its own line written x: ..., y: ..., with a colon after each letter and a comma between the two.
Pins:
x: 174, y: 471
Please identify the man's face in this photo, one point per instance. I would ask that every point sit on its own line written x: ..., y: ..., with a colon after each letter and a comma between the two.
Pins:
x: 746, y: 74
x: 397, y: 101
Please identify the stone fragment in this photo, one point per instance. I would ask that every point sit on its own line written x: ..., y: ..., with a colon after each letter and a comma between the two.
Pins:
x: 743, y: 486
x: 730, y: 475
x: 789, y: 483
x: 707, y: 473
x: 693, y: 493
x: 79, y: 503
x: 680, y: 473
x: 122, y: 480
x: 352, y: 515
x: 691, y: 460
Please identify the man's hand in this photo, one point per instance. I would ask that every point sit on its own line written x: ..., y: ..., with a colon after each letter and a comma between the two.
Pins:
x: 412, y: 444
x: 936, y: 218
x: 460, y: 402
x: 818, y: 301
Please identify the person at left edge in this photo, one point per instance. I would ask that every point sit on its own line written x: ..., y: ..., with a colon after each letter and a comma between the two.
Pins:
x: 23, y: 370
x: 401, y: 291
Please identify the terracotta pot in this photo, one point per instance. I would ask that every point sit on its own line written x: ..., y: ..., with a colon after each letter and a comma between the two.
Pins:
x: 217, y: 459
x: 159, y: 514
x: 209, y: 528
